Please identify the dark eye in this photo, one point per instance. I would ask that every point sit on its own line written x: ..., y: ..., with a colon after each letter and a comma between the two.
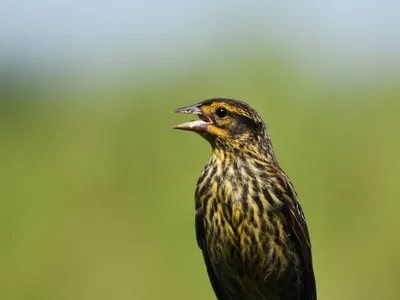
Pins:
x: 221, y: 112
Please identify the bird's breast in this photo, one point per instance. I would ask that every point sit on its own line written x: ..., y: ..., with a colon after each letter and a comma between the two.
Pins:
x: 241, y: 226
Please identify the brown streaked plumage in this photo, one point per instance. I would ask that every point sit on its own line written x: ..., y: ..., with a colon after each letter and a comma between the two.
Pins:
x: 249, y: 222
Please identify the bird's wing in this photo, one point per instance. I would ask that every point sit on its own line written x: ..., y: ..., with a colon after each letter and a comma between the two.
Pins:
x: 201, y: 241
x: 300, y: 232
x: 301, y: 239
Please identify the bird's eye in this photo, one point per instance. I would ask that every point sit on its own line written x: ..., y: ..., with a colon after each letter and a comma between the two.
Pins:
x: 221, y: 112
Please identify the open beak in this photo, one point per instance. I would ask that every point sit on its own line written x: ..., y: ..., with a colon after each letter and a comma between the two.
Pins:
x: 196, y: 126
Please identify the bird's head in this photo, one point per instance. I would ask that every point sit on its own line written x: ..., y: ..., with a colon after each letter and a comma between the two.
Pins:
x: 226, y: 123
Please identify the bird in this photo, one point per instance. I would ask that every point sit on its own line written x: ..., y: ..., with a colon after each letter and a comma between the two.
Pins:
x: 249, y: 223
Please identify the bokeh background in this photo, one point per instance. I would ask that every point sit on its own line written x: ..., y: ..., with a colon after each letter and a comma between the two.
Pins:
x: 96, y: 193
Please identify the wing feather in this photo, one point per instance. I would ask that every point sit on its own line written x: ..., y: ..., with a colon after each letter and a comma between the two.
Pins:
x: 301, y: 239
x: 201, y: 241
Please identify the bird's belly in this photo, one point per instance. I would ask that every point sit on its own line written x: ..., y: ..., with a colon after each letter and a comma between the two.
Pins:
x: 243, y: 259
x: 234, y: 239
x: 235, y: 258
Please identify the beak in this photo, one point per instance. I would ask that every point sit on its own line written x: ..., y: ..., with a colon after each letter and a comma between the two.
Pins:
x: 196, y: 126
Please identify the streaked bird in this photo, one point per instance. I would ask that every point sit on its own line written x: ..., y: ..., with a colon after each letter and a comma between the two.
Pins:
x: 249, y: 223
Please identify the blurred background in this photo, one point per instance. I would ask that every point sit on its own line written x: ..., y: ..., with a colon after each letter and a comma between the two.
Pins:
x: 96, y: 193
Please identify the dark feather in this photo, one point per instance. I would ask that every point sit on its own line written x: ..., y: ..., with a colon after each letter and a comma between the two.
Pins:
x: 301, y: 241
x: 201, y: 241
x: 303, y: 245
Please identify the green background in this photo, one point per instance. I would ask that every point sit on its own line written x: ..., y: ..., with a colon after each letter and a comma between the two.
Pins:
x: 97, y: 190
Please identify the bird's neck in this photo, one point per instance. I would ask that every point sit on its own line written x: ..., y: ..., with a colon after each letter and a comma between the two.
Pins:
x: 241, y: 157
x: 259, y: 150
